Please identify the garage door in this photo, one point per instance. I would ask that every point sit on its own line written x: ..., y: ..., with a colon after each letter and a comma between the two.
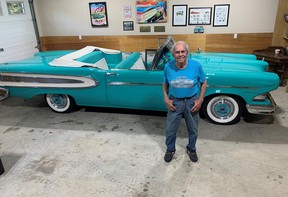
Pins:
x: 17, y: 35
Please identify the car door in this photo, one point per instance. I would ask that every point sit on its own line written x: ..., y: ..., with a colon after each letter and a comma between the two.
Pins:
x: 135, y: 89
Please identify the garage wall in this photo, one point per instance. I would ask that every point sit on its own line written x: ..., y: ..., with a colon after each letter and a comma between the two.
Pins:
x: 71, y: 17
x: 245, y: 43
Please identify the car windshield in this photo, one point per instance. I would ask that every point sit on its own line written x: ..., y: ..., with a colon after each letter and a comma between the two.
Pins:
x: 163, y: 54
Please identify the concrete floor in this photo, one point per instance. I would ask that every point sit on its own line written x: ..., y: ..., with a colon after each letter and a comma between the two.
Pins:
x: 93, y: 152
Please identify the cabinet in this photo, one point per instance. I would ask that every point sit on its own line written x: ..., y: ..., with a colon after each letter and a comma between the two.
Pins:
x: 278, y: 63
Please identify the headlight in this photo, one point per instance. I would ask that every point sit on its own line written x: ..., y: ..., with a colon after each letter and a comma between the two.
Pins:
x: 261, y: 97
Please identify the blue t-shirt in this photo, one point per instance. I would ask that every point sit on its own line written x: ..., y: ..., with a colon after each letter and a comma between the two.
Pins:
x: 183, y: 82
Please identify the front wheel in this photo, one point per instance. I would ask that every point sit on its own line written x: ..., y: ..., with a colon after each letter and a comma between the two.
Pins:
x: 223, y: 109
x: 60, y: 103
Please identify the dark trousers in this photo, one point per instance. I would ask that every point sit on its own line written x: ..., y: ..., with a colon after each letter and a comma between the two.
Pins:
x: 1, y: 167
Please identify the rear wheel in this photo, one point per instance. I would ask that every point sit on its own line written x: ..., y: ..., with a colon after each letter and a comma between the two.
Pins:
x: 223, y: 109
x: 61, y: 103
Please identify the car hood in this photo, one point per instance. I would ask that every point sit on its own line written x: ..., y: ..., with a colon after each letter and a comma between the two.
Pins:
x: 230, y: 62
x: 232, y: 69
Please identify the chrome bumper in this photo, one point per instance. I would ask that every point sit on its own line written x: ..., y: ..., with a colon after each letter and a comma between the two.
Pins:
x: 260, y: 109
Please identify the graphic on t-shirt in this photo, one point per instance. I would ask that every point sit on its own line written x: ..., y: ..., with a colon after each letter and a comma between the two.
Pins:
x: 182, y: 82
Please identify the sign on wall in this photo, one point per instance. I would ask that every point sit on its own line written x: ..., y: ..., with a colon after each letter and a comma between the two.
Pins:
x: 151, y: 11
x: 98, y: 14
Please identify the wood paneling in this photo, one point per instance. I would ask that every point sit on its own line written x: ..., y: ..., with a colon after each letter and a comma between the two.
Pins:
x: 194, y: 41
x: 245, y: 43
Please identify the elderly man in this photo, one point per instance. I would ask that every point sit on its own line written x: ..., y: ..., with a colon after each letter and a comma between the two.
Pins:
x: 182, y: 79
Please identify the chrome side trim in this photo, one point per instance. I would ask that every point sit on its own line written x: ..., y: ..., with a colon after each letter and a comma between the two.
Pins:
x: 238, y: 87
x: 132, y: 84
x: 260, y: 109
x: 45, y: 80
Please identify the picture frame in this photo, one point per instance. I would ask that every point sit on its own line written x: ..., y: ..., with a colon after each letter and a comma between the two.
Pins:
x: 128, y: 25
x: 179, y: 15
x: 127, y: 11
x: 200, y: 16
x: 98, y: 14
x: 151, y: 11
x: 221, y: 15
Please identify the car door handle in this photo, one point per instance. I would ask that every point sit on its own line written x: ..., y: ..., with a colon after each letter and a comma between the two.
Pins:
x: 111, y: 74
x: 1, y: 49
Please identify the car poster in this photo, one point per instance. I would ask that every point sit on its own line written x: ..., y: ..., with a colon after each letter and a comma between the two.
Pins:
x: 151, y: 11
x: 98, y: 14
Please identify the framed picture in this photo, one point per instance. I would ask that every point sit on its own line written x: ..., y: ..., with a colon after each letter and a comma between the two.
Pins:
x: 200, y: 16
x: 151, y: 11
x: 98, y: 14
x: 127, y: 11
x: 221, y: 15
x: 128, y: 25
x: 179, y: 16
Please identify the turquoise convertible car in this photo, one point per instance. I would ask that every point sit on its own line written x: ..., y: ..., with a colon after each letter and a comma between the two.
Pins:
x: 93, y: 76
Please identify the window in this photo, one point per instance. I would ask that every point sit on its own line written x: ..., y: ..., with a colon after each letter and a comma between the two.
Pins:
x: 15, y: 7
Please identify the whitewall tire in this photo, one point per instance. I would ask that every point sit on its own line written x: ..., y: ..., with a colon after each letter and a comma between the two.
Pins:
x: 222, y: 109
x: 61, y: 103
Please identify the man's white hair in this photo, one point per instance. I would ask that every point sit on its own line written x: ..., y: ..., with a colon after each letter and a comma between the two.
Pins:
x: 180, y: 43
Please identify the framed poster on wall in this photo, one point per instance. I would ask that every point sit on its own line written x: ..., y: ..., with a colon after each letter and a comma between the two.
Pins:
x: 179, y: 15
x: 221, y: 15
x: 151, y: 11
x: 200, y: 16
x: 98, y: 14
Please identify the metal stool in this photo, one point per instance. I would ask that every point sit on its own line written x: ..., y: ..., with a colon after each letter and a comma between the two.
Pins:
x: 1, y: 167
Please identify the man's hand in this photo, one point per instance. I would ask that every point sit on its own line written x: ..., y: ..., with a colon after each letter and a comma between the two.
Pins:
x: 169, y: 104
x: 197, y: 105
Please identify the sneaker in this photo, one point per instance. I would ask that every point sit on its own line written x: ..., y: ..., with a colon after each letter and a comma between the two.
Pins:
x: 192, y: 155
x: 168, y: 156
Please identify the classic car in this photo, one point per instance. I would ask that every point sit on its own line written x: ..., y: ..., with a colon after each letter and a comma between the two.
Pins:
x: 100, y: 77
